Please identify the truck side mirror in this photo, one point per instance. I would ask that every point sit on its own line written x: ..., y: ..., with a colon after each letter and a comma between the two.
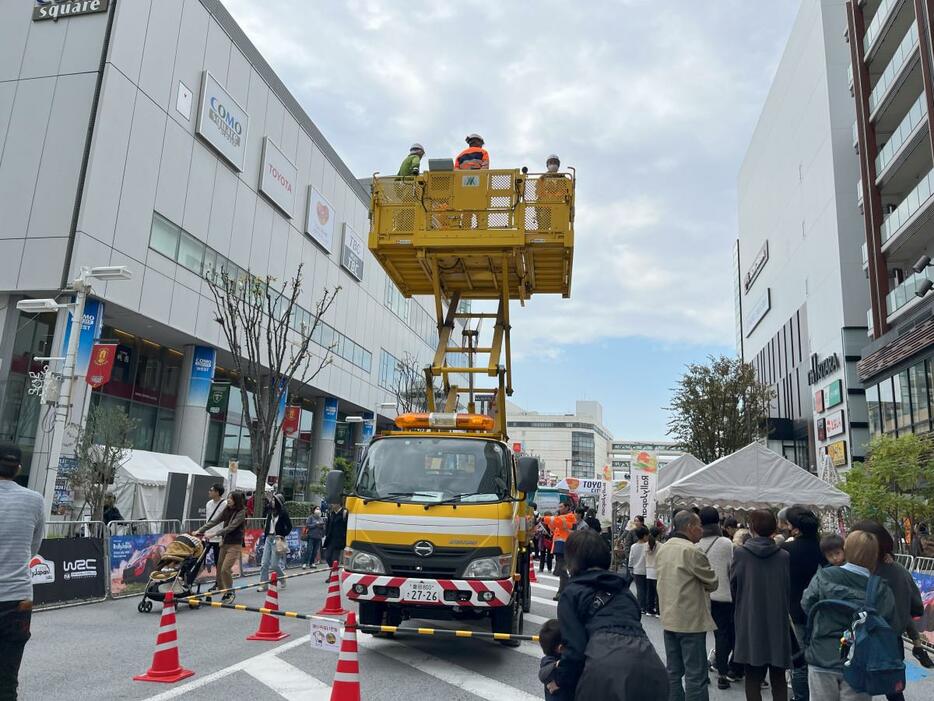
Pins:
x: 528, y: 474
x: 334, y: 486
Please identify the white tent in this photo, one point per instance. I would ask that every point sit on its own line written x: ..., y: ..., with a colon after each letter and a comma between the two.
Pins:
x: 667, y: 474
x: 139, y: 486
x: 246, y: 480
x: 753, y: 477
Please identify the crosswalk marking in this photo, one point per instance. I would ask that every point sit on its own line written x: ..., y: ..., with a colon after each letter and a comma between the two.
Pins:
x: 544, y: 586
x: 468, y: 680
x: 285, y: 679
x: 547, y: 602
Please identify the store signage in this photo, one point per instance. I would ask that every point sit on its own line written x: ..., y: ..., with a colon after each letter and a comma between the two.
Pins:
x: 837, y: 453
x: 291, y: 420
x: 101, y: 366
x: 218, y: 398
x: 222, y: 122
x: 203, y: 359
x: 834, y: 393
x: 517, y: 448
x: 319, y: 220
x: 58, y: 9
x: 819, y: 401
x: 352, y: 253
x: 757, y: 311
x: 68, y: 569
x: 758, y: 263
x: 278, y: 177
x: 822, y: 368
x: 822, y: 429
x: 835, y: 424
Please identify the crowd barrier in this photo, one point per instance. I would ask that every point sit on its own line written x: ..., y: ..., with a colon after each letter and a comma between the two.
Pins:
x: 135, y: 549
x: 71, y: 566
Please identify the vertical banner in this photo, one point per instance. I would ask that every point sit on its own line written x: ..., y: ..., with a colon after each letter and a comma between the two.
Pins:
x: 202, y: 373
x: 644, y: 478
x: 329, y: 425
x: 218, y: 398
x: 291, y: 420
x: 90, y: 332
x: 369, y: 427
x: 605, y: 502
x: 101, y: 366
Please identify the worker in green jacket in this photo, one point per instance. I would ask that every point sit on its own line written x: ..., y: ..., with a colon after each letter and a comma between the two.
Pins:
x: 412, y: 161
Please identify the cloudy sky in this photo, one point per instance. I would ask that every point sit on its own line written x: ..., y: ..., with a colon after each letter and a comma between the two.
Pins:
x: 652, y: 101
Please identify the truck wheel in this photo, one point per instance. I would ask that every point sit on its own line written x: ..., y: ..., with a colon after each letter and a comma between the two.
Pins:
x: 509, y: 619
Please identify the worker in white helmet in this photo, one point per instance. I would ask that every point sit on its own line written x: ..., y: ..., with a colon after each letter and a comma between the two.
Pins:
x: 474, y: 157
x: 551, y: 188
x: 412, y: 162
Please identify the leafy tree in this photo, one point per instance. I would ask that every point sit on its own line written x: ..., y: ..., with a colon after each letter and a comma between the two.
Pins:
x: 270, y: 338
x: 101, y: 446
x: 345, y: 466
x: 718, y: 408
x: 895, y: 483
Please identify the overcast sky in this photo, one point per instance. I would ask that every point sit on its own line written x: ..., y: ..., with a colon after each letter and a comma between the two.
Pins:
x: 652, y: 101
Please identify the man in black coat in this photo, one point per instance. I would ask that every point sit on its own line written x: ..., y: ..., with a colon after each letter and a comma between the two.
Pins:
x: 806, y: 558
x: 335, y: 534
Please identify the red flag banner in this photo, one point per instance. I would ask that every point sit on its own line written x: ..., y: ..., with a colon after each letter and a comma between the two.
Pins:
x: 101, y: 365
x: 290, y: 422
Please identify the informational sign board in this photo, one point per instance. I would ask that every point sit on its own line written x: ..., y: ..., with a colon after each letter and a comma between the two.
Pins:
x: 352, y: 252
x: 278, y: 177
x: 222, y: 122
x: 325, y: 635
x: 200, y: 484
x: 835, y: 424
x: 68, y: 569
x: 834, y: 393
x: 837, y: 453
x: 320, y: 220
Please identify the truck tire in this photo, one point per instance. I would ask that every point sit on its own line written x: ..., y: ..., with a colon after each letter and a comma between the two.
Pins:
x: 509, y: 619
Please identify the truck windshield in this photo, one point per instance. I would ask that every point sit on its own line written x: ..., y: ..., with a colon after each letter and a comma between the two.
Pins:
x: 431, y: 470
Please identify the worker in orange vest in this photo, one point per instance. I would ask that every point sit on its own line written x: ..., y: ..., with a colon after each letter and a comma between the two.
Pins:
x: 561, y: 527
x: 474, y: 157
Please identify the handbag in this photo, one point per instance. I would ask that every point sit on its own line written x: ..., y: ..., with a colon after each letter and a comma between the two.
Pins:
x: 282, y: 548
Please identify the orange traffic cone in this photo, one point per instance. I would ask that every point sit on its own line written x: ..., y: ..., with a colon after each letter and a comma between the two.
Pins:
x: 165, y: 665
x: 346, y: 685
x: 269, y: 625
x: 332, y: 605
x: 532, y: 577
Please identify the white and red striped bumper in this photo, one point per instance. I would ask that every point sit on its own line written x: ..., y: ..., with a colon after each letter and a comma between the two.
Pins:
x: 462, y: 592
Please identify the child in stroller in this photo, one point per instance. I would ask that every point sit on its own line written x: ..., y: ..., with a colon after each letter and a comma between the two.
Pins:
x: 176, y: 572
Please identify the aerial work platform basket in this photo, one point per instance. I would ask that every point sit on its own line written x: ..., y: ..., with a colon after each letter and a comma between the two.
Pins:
x: 474, y: 235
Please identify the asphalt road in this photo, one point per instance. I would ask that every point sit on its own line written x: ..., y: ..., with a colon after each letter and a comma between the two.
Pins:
x: 93, y: 652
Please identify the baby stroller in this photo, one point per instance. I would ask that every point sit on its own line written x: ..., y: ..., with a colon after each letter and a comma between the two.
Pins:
x: 176, y: 572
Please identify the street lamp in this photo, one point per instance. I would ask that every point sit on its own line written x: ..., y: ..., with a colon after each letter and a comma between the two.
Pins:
x: 81, y: 286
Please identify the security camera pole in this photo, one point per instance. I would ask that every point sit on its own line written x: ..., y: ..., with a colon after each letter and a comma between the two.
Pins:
x: 81, y: 287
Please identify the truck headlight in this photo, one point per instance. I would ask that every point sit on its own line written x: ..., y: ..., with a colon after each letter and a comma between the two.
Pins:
x: 360, y: 561
x: 499, y: 567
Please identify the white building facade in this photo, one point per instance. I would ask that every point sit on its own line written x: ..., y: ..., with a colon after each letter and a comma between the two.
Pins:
x: 802, y: 294
x: 153, y: 135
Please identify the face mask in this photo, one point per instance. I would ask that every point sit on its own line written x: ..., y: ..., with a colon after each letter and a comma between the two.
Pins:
x: 552, y: 167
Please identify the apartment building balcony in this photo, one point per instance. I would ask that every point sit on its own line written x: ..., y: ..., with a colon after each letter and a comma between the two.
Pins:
x: 891, y: 18
x: 897, y: 85
x: 909, y: 228
x: 906, y: 154
x: 904, y: 297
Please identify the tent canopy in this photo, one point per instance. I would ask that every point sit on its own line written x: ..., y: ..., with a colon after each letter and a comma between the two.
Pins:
x: 753, y: 477
x: 676, y: 469
x: 139, y: 486
x: 246, y: 480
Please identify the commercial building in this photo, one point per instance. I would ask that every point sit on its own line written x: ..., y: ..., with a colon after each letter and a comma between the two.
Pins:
x: 621, y: 453
x: 800, y: 289
x: 890, y: 47
x: 568, y: 445
x: 153, y: 135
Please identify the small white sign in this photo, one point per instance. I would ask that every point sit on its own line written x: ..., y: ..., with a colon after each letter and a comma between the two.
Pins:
x: 183, y: 101
x: 222, y: 122
x: 278, y: 176
x: 325, y: 635
x: 834, y: 424
x: 352, y: 253
x: 319, y: 220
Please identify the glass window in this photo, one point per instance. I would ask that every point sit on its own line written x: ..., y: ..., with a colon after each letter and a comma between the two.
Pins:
x: 145, y: 417
x: 917, y: 375
x: 164, y: 431
x: 164, y: 236
x: 358, y: 355
x: 902, y: 401
x: 875, y: 415
x: 190, y: 253
x: 887, y: 405
x: 210, y: 262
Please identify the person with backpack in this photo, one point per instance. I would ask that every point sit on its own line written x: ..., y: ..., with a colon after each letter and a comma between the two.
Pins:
x: 835, y: 598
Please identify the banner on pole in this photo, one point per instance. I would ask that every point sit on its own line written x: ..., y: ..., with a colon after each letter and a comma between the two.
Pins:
x: 101, y: 365
x: 218, y: 398
x: 644, y: 481
x: 291, y: 420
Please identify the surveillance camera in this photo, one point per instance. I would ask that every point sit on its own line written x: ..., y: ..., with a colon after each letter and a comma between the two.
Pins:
x: 923, y: 262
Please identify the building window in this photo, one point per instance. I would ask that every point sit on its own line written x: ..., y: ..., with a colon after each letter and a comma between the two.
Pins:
x: 388, y: 370
x: 875, y: 414
x: 902, y: 401
x: 887, y: 406
x: 583, y: 455
x: 920, y: 397
x: 164, y: 237
x: 396, y: 301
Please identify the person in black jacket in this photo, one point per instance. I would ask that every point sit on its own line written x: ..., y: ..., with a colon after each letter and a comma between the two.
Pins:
x: 606, y: 653
x: 335, y: 534
x: 806, y: 558
x: 276, y: 529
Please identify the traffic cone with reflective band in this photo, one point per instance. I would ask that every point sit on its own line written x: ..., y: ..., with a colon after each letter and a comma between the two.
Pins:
x: 165, y: 665
x: 533, y: 579
x: 269, y: 625
x: 332, y: 605
x: 346, y: 685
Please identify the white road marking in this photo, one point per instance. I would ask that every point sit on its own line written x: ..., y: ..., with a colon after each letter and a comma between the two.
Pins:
x: 285, y: 679
x: 545, y: 575
x: 545, y: 586
x: 214, y: 676
x: 547, y: 602
x: 537, y: 620
x: 457, y: 676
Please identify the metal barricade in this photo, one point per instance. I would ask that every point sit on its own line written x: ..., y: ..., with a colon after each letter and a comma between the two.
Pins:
x: 134, y: 550
x: 71, y: 565
x: 905, y: 560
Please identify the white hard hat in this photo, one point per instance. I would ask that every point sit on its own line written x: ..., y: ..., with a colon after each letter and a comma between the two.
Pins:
x: 552, y: 157
x: 471, y: 137
x: 417, y: 147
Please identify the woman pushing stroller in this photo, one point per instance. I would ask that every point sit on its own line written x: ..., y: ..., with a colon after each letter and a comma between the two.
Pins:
x: 232, y: 520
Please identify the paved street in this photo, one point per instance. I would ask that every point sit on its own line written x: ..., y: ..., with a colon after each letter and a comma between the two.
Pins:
x: 95, y: 650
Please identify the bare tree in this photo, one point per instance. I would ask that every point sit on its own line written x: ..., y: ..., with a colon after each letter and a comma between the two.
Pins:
x: 408, y: 386
x: 101, y: 446
x: 269, y: 335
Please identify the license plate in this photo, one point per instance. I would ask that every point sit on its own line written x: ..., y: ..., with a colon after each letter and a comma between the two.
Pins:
x: 429, y: 592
